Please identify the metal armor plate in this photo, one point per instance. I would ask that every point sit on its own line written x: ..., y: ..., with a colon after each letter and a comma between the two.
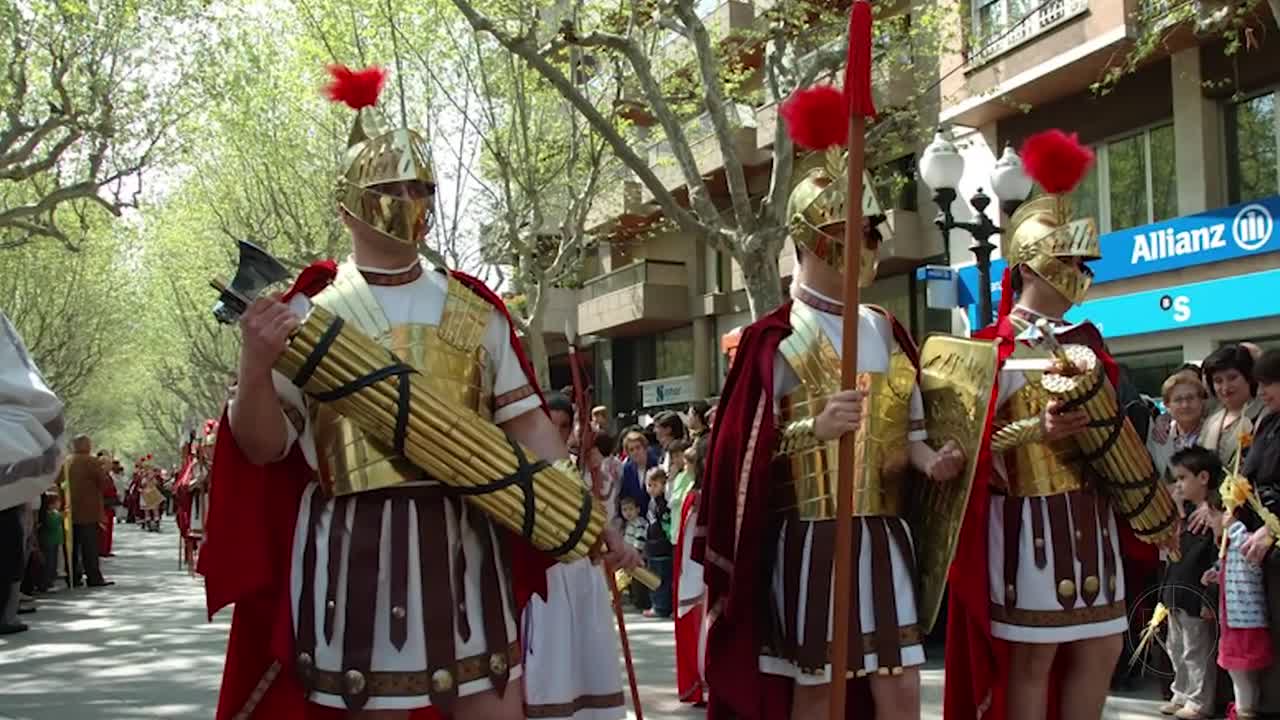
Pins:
x: 454, y: 353
x: 956, y: 379
x: 881, y: 456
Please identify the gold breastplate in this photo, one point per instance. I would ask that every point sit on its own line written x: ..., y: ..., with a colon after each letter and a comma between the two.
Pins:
x: 881, y: 456
x: 1036, y: 469
x: 451, y: 358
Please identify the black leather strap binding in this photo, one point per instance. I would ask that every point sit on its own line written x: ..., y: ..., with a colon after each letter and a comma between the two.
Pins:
x: 319, y: 351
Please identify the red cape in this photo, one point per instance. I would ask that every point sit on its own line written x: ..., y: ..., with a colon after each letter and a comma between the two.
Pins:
x: 688, y: 625
x: 247, y: 556
x: 976, y: 663
x: 737, y: 526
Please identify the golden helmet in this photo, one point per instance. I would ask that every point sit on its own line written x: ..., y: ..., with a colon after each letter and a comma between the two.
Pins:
x: 379, y: 158
x: 817, y: 204
x: 1042, y: 233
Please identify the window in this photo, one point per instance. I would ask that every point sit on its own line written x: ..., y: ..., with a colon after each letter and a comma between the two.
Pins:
x: 674, y: 352
x: 991, y: 18
x: 1253, y: 135
x: 1133, y: 182
x: 1148, y: 370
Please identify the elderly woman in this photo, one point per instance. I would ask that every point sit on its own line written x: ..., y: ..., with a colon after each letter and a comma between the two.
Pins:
x: 1184, y: 396
x: 1229, y: 372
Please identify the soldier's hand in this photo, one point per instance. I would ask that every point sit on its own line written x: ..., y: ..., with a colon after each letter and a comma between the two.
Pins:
x: 948, y: 462
x: 1210, y: 577
x: 843, y: 414
x: 1059, y: 424
x: 265, y: 328
x: 618, y: 555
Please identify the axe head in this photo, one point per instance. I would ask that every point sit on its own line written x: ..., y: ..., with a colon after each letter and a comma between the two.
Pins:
x: 256, y: 271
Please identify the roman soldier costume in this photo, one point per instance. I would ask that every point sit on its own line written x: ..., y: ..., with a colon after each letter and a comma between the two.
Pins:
x: 1053, y: 522
x: 407, y: 519
x: 766, y: 516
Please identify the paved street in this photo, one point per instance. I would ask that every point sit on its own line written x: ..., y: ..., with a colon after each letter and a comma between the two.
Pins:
x: 142, y: 649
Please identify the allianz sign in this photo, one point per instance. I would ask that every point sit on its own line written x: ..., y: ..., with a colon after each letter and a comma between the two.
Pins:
x: 1250, y: 230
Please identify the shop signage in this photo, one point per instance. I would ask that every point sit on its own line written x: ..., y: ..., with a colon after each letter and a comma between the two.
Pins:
x: 1209, y: 237
x: 667, y: 391
x: 1243, y: 297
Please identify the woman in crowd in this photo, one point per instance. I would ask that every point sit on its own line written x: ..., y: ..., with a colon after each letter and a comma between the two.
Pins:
x: 697, y: 417
x: 1262, y: 467
x: 640, y: 457
x: 1184, y: 397
x: 1229, y: 373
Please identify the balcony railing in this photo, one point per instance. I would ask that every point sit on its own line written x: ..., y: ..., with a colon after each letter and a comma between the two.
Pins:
x: 1001, y: 37
x: 642, y: 272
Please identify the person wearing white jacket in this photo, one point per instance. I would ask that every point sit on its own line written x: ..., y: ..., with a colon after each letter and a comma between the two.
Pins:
x: 31, y: 442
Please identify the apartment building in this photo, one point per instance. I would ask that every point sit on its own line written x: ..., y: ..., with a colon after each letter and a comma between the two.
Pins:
x: 1186, y: 188
x: 661, y: 301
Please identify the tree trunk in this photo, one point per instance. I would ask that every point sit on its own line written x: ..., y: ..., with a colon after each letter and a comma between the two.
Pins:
x: 761, y: 277
x: 534, y: 341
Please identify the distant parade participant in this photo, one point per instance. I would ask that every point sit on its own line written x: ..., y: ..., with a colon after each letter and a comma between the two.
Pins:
x: 1038, y: 635
x: 150, y: 495
x: 110, y: 501
x: 361, y: 582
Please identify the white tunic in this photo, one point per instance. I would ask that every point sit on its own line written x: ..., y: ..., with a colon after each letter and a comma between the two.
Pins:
x: 876, y: 344
x: 1036, y: 597
x: 421, y: 301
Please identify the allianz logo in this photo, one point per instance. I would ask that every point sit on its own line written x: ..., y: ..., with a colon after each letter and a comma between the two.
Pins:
x: 1250, y: 230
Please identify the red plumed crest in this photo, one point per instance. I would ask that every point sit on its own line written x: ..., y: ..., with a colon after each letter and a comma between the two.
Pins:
x: 817, y: 117
x: 357, y: 88
x: 1056, y: 160
x: 313, y: 278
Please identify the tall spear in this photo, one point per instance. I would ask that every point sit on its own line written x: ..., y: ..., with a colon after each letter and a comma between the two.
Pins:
x: 586, y: 441
x: 857, y: 90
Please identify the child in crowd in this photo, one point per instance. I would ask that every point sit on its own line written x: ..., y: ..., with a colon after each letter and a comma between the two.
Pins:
x: 1244, y: 645
x: 606, y: 477
x: 657, y: 548
x: 635, y: 531
x: 681, y: 481
x: 1192, y: 621
x: 51, y: 535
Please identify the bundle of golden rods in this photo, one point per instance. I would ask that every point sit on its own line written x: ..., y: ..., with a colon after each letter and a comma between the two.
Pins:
x: 453, y: 444
x: 1128, y: 474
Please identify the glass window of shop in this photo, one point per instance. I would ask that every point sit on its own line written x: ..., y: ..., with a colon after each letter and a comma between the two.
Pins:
x: 1133, y: 182
x: 1253, y: 146
x: 674, y: 350
x: 1147, y: 370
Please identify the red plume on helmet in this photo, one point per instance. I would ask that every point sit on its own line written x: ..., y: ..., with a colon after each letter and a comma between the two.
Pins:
x: 817, y: 117
x: 1056, y: 160
x: 356, y: 88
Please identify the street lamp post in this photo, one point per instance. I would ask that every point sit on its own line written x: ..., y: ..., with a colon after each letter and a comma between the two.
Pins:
x: 941, y: 167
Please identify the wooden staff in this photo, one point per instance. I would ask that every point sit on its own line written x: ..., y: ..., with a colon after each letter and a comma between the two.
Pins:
x: 857, y: 88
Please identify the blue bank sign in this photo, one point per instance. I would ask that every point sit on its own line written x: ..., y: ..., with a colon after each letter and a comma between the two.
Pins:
x: 1185, y: 306
x: 1209, y: 237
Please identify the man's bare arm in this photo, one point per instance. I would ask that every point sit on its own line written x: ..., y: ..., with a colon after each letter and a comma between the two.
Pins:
x: 257, y: 417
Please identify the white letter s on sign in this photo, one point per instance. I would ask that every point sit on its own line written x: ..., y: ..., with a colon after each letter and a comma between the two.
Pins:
x: 1181, y: 308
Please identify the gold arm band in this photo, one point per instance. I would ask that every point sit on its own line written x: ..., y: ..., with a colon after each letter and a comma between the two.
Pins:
x: 1016, y: 434
x: 798, y: 436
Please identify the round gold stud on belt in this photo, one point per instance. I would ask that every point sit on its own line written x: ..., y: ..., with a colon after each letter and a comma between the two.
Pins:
x: 1111, y: 585
x: 441, y: 681
x: 1067, y: 588
x: 398, y: 612
x: 330, y: 605
x: 1039, y: 543
x: 305, y: 664
x: 498, y: 663
x: 1091, y: 584
x: 354, y: 680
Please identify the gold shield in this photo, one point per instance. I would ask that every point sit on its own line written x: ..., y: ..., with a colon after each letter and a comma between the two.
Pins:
x: 957, y: 375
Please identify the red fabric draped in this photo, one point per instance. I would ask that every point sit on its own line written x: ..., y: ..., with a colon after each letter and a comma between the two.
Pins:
x: 688, y: 625
x: 247, y: 556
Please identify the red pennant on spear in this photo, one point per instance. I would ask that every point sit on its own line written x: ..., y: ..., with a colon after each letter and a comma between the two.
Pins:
x: 857, y: 90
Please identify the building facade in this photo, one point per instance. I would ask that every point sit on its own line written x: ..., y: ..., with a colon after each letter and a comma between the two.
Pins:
x: 1186, y: 187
